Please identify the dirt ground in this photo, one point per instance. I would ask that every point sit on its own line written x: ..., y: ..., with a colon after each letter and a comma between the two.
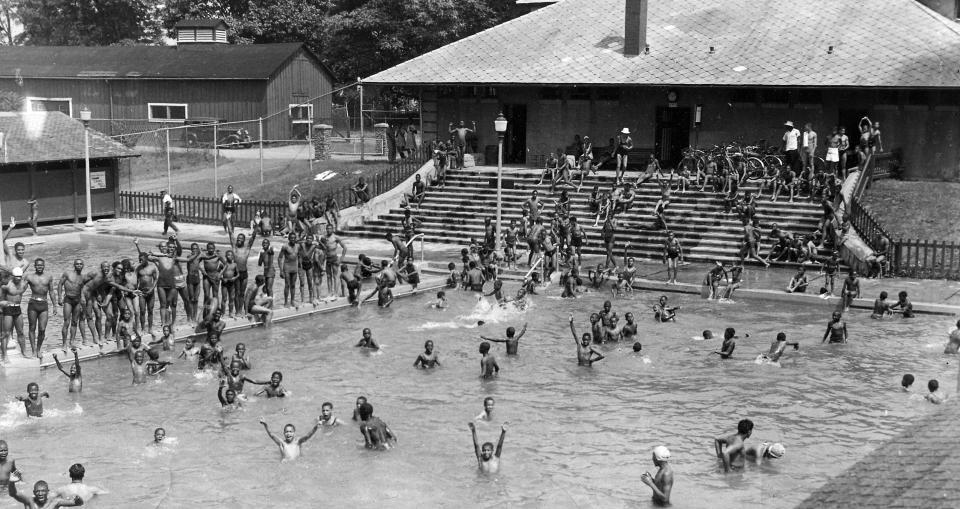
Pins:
x: 916, y: 210
x: 192, y: 172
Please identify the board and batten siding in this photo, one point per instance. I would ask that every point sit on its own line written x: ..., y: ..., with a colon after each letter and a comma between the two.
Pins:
x: 300, y: 78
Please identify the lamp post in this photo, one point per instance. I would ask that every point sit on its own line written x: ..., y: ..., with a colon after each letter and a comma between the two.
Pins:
x: 85, y: 118
x: 500, y: 125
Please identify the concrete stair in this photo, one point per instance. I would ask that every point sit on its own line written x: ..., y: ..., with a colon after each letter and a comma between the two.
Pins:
x: 456, y: 213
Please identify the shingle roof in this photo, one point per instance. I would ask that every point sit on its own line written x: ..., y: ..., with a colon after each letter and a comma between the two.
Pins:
x: 877, y: 43
x: 51, y: 136
x: 214, y: 61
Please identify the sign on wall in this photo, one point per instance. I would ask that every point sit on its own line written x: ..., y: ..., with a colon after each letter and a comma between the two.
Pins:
x: 98, y: 180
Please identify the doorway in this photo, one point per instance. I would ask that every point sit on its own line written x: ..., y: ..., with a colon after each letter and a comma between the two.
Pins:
x: 515, y: 142
x: 672, y: 135
x: 850, y: 119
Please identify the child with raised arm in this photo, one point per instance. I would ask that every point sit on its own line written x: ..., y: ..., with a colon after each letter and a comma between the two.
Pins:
x: 586, y: 354
x: 76, y: 379
x: 488, y: 460
x: 290, y: 444
x: 32, y: 402
x: 40, y: 498
x: 512, y: 341
x: 228, y: 400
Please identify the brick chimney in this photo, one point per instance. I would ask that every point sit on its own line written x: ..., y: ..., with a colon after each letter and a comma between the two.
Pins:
x: 635, y: 27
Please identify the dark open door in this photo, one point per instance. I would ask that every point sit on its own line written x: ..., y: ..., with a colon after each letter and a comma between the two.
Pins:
x: 515, y: 143
x: 672, y: 136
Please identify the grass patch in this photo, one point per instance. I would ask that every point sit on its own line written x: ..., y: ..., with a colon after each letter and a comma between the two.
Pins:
x: 192, y: 173
x: 916, y: 210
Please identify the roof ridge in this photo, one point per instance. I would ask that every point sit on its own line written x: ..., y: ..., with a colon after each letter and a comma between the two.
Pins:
x: 953, y: 26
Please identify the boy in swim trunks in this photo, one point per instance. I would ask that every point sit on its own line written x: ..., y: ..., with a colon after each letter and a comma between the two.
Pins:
x: 880, y: 307
x: 40, y: 285
x: 488, y: 363
x: 274, y: 389
x: 427, y: 359
x: 488, y: 460
x: 730, y: 449
x: 662, y: 482
x: 778, y: 346
x: 903, y: 305
x: 586, y: 354
x: 512, y: 340
x: 836, y: 329
x: 33, y: 402
x: 327, y: 419
x: 75, y: 377
x: 850, y: 290
x: 290, y: 445
x: 12, y: 294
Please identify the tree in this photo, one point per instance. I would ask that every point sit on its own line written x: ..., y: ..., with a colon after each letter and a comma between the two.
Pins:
x: 10, y: 101
x: 7, y: 15
x: 374, y: 35
x: 84, y: 22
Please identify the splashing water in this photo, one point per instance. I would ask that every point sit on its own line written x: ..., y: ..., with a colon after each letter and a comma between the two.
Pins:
x: 15, y: 415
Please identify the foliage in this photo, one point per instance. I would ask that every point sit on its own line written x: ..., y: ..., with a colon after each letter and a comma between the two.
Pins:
x: 84, y: 23
x: 10, y: 101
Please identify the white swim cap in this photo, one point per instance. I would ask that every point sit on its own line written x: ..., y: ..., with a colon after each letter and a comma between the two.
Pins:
x: 661, y: 453
x: 17, y: 272
x: 776, y: 450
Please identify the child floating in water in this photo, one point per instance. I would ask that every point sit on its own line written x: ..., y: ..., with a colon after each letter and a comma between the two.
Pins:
x: 488, y: 460
x: 290, y: 444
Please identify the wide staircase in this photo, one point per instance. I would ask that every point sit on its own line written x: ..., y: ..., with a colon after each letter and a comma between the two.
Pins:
x: 456, y: 213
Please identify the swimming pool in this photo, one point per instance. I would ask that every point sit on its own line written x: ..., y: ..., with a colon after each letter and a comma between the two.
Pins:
x: 578, y: 436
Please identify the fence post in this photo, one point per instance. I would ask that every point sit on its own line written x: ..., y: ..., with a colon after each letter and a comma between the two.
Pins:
x: 169, y: 184
x: 952, y: 250
x: 260, y: 128
x: 216, y: 152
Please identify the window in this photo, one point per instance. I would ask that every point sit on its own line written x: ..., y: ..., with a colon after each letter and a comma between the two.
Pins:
x: 166, y: 112
x: 301, y: 113
x: 63, y: 105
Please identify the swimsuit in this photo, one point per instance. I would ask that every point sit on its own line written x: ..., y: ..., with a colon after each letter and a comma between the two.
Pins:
x: 37, y: 306
x: 13, y: 311
x: 73, y: 300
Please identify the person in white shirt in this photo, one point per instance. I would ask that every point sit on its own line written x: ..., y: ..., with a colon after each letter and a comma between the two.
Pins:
x: 169, y: 213
x: 230, y: 201
x: 791, y: 139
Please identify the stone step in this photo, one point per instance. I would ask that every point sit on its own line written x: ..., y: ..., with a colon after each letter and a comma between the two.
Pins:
x: 654, y: 252
x: 485, y: 204
x: 678, y: 223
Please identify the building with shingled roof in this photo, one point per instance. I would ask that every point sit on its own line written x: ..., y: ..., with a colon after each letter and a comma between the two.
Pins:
x: 701, y: 72
x: 202, y: 77
x: 42, y: 155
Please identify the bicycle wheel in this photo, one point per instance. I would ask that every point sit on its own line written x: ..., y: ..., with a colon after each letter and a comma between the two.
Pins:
x: 773, y: 162
x: 755, y: 168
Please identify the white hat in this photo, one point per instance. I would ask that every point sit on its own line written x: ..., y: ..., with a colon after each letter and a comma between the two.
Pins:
x: 625, y: 131
x: 788, y: 123
x: 17, y: 272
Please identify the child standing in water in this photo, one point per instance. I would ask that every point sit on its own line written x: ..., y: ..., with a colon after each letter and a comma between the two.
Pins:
x: 290, y: 444
x: 488, y: 460
x: 76, y: 380
x: 32, y: 402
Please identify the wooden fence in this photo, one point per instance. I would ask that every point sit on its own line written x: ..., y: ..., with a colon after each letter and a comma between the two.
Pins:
x: 208, y: 210
x: 908, y: 258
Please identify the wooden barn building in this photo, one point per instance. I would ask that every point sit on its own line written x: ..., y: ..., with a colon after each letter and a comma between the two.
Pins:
x: 42, y: 155
x: 702, y: 72
x: 131, y: 88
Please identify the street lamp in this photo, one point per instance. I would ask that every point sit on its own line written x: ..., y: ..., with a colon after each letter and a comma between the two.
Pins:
x: 85, y: 118
x: 500, y: 125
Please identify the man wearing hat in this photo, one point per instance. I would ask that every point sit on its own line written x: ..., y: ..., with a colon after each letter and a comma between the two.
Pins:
x: 11, y: 295
x: 624, y: 146
x: 791, y: 138
x: 662, y: 483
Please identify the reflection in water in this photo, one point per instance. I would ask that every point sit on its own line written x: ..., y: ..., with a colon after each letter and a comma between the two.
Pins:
x: 579, y: 436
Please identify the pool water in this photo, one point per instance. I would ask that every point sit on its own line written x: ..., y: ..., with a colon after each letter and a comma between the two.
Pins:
x: 578, y: 436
